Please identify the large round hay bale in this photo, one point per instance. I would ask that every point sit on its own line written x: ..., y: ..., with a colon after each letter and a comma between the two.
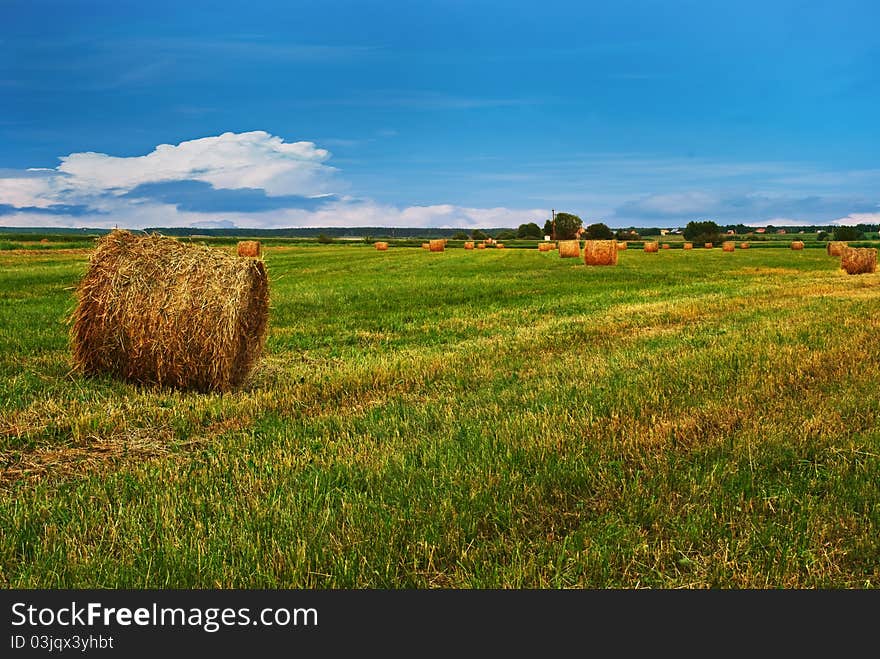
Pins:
x: 665, y: 246
x: 797, y: 244
x: 708, y: 245
x: 569, y: 249
x: 835, y: 248
x: 728, y: 246
x: 250, y: 248
x: 468, y: 245
x: 687, y: 246
x: 437, y: 245
x: 743, y: 245
x: 651, y: 246
x: 621, y: 244
x: 600, y: 252
x: 543, y: 247
x: 499, y: 245
x: 154, y: 310
x: 381, y: 246
x: 44, y: 241
x: 481, y: 246
x: 859, y: 260
x: 426, y: 245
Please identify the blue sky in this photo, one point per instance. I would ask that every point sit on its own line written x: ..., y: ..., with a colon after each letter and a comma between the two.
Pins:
x: 437, y: 113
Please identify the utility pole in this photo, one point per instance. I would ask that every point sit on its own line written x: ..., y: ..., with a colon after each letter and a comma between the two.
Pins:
x: 553, y: 223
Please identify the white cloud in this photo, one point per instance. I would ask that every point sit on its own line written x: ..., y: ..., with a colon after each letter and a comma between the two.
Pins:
x: 231, y: 160
x: 22, y: 191
x: 228, y: 161
x: 257, y: 160
x: 344, y: 213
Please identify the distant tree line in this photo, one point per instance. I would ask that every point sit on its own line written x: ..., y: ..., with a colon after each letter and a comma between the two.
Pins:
x: 567, y: 226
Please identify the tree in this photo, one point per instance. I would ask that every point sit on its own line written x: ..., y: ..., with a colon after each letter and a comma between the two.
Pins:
x: 706, y: 231
x: 822, y: 235
x: 567, y: 226
x: 847, y: 233
x: 598, y: 231
x: 530, y: 230
x: 548, y: 228
x: 505, y: 234
x: 461, y: 235
x: 476, y: 234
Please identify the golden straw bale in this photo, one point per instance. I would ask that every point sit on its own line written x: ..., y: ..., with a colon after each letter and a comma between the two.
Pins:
x: 687, y: 246
x: 651, y: 246
x: 382, y: 247
x: 426, y: 245
x: 728, y: 246
x: 621, y: 244
x: 569, y: 249
x: 600, y: 252
x: 154, y: 310
x: 665, y: 246
x: 481, y: 246
x: 468, y: 245
x: 797, y: 244
x: 437, y: 245
x: 859, y: 260
x: 743, y: 245
x: 543, y: 247
x: 44, y: 240
x: 250, y: 248
x: 709, y: 245
x: 835, y: 248
x: 499, y: 245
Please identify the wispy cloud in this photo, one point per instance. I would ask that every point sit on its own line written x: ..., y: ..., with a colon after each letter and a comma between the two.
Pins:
x: 258, y: 179
x: 679, y: 208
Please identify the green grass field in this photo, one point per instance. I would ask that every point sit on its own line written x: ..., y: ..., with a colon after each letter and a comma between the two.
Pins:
x: 468, y: 419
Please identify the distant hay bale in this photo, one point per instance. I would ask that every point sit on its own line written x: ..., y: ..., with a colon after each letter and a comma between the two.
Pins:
x: 481, y: 246
x: 426, y: 245
x: 543, y: 247
x: 665, y: 246
x: 651, y: 246
x: 687, y: 246
x: 569, y: 249
x: 709, y: 245
x: 154, y: 310
x: 499, y: 245
x: 468, y: 245
x: 743, y: 245
x: 859, y: 260
x: 600, y: 252
x: 250, y: 248
x: 382, y: 247
x: 44, y: 240
x: 621, y: 245
x: 797, y: 244
x: 437, y: 245
x: 728, y: 246
x: 835, y: 248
